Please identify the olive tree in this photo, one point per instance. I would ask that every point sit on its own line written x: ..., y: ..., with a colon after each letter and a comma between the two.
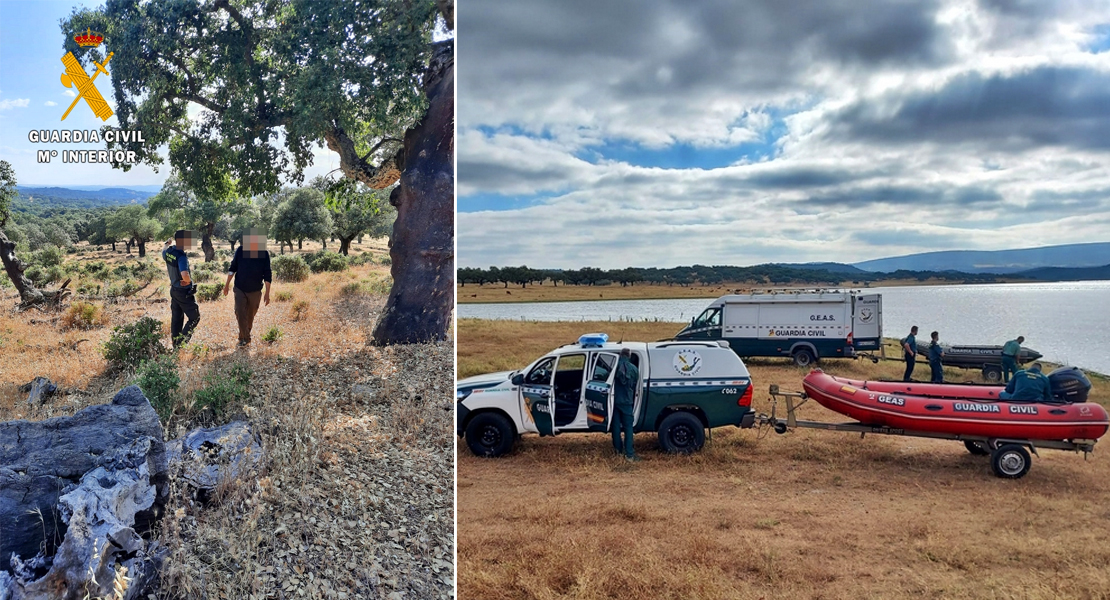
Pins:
x: 273, y: 78
x: 132, y: 224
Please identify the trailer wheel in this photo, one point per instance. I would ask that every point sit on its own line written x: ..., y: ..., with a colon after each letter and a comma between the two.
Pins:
x: 681, y: 433
x: 992, y: 373
x: 804, y: 358
x: 977, y: 448
x: 490, y: 434
x: 780, y: 427
x: 1010, y: 461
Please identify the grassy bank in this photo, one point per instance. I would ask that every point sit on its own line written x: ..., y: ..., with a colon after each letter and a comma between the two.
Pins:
x: 355, y: 498
x: 810, y: 514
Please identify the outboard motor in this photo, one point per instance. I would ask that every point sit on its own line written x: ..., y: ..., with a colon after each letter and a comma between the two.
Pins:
x: 1069, y: 384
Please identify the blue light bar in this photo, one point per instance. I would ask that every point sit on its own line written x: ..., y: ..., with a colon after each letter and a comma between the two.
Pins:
x: 593, y: 340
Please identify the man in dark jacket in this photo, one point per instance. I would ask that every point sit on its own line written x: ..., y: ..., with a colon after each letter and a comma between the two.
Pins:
x: 251, y: 269
x: 183, y: 301
x: 1030, y: 385
x: 935, y: 354
x: 624, y: 396
x: 909, y: 352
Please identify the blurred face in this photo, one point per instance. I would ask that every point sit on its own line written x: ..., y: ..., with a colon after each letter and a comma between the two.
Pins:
x: 254, y: 243
x: 188, y: 242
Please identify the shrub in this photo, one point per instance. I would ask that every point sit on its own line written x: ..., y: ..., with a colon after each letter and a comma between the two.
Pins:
x: 362, y: 259
x: 146, y: 270
x: 284, y: 296
x: 272, y: 334
x: 386, y: 260
x: 209, y: 291
x: 326, y: 260
x: 289, y: 268
x: 222, y: 386
x: 158, y: 380
x: 351, y: 289
x: 299, y: 310
x: 89, y: 289
x: 380, y: 286
x: 121, y: 271
x: 201, y: 276
x: 50, y: 256
x: 125, y: 289
x: 96, y: 268
x: 130, y: 345
x: 83, y: 315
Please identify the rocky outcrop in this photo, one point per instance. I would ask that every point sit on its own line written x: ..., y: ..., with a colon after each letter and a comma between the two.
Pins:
x: 114, y: 449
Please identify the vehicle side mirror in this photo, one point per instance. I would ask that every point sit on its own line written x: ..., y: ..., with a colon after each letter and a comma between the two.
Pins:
x: 518, y: 379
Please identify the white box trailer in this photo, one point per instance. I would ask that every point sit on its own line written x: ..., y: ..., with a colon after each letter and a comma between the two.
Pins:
x: 806, y: 326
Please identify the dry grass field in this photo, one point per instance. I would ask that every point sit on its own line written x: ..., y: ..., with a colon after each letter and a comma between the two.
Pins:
x: 809, y: 514
x: 356, y: 497
x: 496, y: 292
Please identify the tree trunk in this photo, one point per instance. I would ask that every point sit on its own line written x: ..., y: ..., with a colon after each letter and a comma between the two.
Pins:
x: 142, y: 248
x: 422, y: 245
x: 113, y: 245
x: 344, y: 245
x: 28, y: 294
x: 206, y: 242
x: 300, y: 245
x: 128, y: 244
x: 325, y: 243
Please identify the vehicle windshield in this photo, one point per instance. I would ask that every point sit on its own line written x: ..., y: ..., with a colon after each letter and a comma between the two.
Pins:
x: 710, y: 318
x: 542, y: 372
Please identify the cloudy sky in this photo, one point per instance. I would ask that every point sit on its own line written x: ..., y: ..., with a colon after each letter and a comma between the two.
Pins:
x: 662, y: 133
x: 32, y: 97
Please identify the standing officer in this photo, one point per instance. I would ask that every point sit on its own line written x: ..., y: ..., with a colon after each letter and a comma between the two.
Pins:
x: 1010, y: 353
x: 183, y: 301
x: 909, y: 349
x: 935, y: 354
x: 624, y: 395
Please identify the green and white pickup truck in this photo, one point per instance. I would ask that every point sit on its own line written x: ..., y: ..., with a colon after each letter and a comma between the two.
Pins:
x: 685, y: 387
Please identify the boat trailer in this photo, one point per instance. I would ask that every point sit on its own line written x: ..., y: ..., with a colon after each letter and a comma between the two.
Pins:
x: 1010, y: 458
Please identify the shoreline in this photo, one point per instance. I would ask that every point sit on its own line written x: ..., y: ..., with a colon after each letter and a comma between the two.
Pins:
x: 569, y: 293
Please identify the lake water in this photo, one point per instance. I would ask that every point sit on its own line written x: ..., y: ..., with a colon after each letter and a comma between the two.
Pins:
x: 1067, y: 322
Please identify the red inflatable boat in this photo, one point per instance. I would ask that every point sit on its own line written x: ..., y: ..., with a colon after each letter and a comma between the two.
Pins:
x: 972, y: 410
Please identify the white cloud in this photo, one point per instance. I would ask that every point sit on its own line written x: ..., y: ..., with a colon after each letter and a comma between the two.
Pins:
x: 50, y: 103
x: 17, y: 103
x: 70, y: 93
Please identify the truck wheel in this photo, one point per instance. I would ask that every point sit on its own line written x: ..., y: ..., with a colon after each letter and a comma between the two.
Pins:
x: 1010, y: 461
x: 490, y: 434
x: 992, y: 373
x: 681, y: 433
x: 804, y: 358
x: 977, y: 448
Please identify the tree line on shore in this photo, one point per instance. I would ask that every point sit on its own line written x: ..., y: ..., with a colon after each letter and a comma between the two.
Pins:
x: 321, y: 211
x: 768, y: 274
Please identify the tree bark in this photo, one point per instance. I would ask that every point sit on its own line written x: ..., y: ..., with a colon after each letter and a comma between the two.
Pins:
x: 128, y: 244
x: 422, y: 245
x: 206, y: 242
x: 113, y: 245
x: 345, y: 245
x: 300, y: 245
x: 142, y: 248
x: 28, y: 294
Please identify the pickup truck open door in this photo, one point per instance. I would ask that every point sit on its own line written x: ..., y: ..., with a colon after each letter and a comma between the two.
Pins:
x: 599, y: 391
x: 538, y: 397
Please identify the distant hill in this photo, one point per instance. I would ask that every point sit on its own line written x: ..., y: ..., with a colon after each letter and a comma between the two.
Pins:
x: 108, y: 195
x: 831, y: 267
x: 1067, y: 274
x: 998, y: 261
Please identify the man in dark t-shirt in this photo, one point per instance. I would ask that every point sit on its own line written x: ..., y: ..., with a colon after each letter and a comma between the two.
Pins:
x: 183, y: 302
x: 251, y: 269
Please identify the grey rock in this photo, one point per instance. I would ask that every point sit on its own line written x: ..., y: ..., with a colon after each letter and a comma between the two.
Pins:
x: 204, y: 456
x: 40, y: 461
x: 101, y: 545
x: 40, y: 389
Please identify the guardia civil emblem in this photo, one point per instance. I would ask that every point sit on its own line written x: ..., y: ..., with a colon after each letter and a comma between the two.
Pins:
x: 76, y: 77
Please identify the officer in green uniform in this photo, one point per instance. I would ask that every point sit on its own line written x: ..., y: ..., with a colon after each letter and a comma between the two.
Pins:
x: 909, y: 350
x: 183, y: 301
x: 1010, y: 353
x: 624, y: 395
x: 935, y: 354
x: 1029, y: 385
